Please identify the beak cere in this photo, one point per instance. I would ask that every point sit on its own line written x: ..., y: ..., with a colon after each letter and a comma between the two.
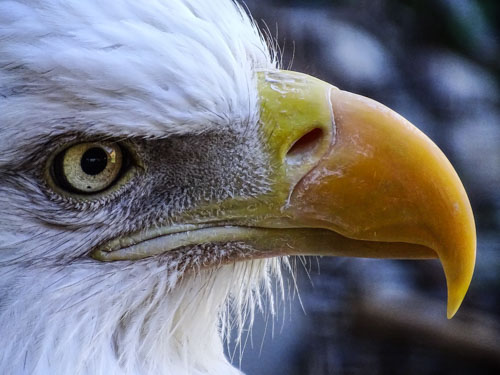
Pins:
x: 374, y: 178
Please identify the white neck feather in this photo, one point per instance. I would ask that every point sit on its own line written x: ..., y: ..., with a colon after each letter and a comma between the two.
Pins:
x: 126, y: 319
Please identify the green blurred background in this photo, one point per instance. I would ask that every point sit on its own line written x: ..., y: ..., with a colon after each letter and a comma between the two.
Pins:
x: 436, y: 62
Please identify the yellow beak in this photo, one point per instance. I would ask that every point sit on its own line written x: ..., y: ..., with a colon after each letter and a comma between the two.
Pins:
x: 359, y: 169
x: 348, y: 177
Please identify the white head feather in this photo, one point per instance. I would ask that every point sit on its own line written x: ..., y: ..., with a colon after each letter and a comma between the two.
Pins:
x: 128, y: 68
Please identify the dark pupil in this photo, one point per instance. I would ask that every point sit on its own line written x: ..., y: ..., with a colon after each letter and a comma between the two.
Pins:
x: 94, y: 161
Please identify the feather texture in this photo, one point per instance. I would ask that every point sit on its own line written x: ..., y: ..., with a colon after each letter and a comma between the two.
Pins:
x: 132, y: 319
x: 122, y: 69
x: 143, y: 68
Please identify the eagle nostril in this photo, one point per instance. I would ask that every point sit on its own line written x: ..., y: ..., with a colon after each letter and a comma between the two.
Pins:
x: 304, y: 147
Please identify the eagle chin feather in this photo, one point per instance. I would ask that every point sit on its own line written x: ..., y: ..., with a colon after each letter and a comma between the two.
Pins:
x: 148, y: 317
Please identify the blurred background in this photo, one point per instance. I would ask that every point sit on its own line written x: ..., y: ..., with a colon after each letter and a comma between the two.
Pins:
x: 436, y: 62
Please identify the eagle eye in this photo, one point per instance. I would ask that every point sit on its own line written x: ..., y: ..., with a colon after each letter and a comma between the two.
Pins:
x: 89, y: 167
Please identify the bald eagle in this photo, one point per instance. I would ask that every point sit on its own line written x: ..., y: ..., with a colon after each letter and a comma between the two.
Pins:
x: 158, y: 169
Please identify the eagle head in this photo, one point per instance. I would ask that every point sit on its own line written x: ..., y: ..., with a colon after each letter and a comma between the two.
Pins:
x: 157, y: 170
